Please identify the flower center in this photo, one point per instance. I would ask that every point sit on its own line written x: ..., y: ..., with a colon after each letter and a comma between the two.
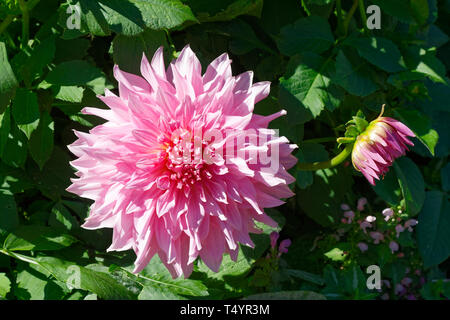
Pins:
x: 184, y: 159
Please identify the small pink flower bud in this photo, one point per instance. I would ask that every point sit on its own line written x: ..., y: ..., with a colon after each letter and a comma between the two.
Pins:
x: 345, y: 207
x: 363, y: 246
x: 364, y: 225
x: 361, y: 203
x: 349, y: 215
x: 387, y: 213
x: 399, y: 229
x: 284, y: 245
x: 422, y: 281
x: 393, y: 246
x: 385, y: 296
x: 273, y: 239
x: 399, y: 289
x: 371, y: 219
x: 406, y: 281
x: 376, y: 236
x: 410, y: 223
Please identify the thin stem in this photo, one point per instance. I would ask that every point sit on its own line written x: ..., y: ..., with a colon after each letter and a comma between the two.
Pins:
x: 25, y: 22
x: 305, y: 8
x: 31, y: 4
x: 312, y: 166
x: 319, y: 140
x: 18, y: 256
x: 350, y: 15
x: 362, y: 12
x: 333, y: 124
x: 5, y: 23
x: 339, y: 16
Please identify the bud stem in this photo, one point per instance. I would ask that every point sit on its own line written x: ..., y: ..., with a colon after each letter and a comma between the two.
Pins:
x: 312, y: 166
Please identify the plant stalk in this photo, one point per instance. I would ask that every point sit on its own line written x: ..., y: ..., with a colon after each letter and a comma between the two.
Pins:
x: 25, y: 22
x: 350, y: 15
x: 362, y: 13
x: 312, y: 166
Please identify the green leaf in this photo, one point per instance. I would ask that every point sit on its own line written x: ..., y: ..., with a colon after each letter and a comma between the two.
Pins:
x: 433, y: 230
x: 5, y: 285
x: 78, y: 277
x: 322, y: 200
x: 158, y: 293
x: 15, y: 152
x: 274, y: 16
x: 411, y: 183
x: 354, y: 77
x: 72, y: 94
x: 54, y: 177
x: 25, y: 108
x: 307, y: 86
x: 8, y: 82
x: 420, y: 124
x: 335, y: 254
x: 401, y: 9
x: 287, y: 295
x: 436, y: 37
x: 360, y: 123
x: 37, y: 59
x: 74, y: 73
x: 445, y: 177
x: 349, y: 283
x: 420, y: 11
x: 33, y: 285
x: 73, y: 49
x: 309, y: 152
x: 158, y: 283
x: 242, y: 37
x: 388, y: 188
x: 130, y: 17
x: 61, y: 218
x: 432, y: 67
x: 380, y: 52
x: 9, y: 219
x: 13, y: 180
x: 127, y: 51
x: 41, y: 140
x: 311, y: 34
x: 213, y: 11
x: 5, y: 127
x: 398, y: 79
x: 313, y: 278
x: 37, y: 238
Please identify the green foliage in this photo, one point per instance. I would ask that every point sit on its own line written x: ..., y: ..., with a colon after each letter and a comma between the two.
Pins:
x: 326, y: 69
x: 434, y: 235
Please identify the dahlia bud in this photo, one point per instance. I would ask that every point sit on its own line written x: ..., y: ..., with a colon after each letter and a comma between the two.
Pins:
x: 383, y: 140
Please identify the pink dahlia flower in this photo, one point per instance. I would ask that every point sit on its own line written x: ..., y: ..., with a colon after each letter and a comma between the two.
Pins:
x: 146, y: 174
x: 374, y: 151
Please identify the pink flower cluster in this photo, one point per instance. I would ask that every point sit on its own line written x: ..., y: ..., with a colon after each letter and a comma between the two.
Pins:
x: 284, y: 244
x: 367, y: 222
